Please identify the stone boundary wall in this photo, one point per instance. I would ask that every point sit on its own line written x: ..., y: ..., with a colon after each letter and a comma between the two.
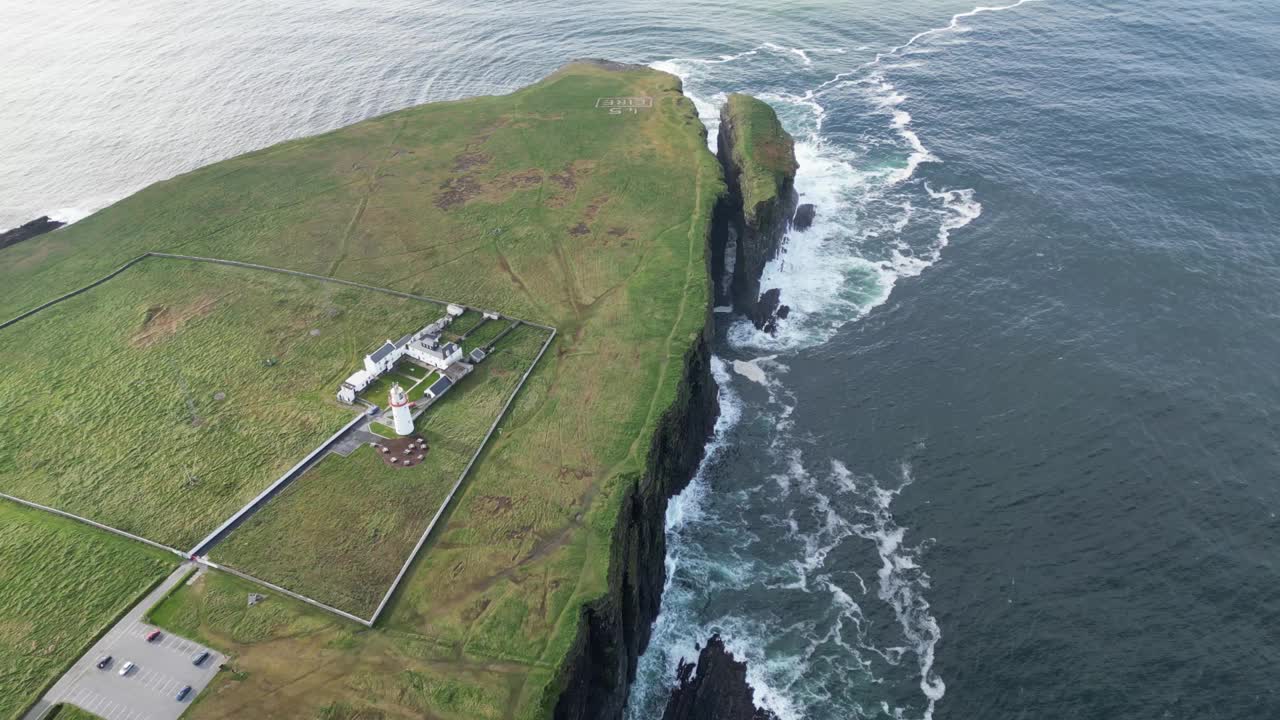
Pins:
x: 98, y: 525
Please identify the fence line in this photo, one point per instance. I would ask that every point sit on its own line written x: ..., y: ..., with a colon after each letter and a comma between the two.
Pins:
x: 73, y: 293
x: 290, y: 593
x: 449, y: 498
x: 98, y: 525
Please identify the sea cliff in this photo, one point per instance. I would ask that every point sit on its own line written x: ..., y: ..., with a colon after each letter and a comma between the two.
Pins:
x: 613, y: 631
x: 759, y: 163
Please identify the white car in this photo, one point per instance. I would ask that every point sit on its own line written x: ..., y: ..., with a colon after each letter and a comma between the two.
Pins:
x: 127, y: 668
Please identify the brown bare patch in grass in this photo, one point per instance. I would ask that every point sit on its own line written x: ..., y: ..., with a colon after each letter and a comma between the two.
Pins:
x: 579, y: 229
x: 162, y: 322
x: 457, y: 191
x: 618, y: 231
x: 522, y: 180
x: 469, y: 160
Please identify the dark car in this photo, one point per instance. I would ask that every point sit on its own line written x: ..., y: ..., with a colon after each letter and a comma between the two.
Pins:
x: 104, y: 661
x: 182, y: 694
x: 199, y: 659
x: 153, y: 636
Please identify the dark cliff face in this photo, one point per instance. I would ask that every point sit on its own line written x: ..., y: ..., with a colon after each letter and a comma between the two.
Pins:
x: 758, y: 158
x: 614, y: 630
x: 26, y: 231
x: 718, y: 690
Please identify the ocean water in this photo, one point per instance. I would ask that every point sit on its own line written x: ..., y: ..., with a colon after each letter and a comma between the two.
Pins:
x: 1015, y: 454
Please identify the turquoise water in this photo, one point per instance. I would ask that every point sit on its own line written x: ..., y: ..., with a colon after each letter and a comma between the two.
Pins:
x: 1015, y: 452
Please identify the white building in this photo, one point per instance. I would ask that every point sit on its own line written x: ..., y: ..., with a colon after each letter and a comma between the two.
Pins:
x: 400, y: 412
x: 358, y: 381
x: 423, y: 345
x: 429, y: 350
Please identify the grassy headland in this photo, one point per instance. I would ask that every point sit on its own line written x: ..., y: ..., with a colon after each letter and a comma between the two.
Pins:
x: 539, y: 204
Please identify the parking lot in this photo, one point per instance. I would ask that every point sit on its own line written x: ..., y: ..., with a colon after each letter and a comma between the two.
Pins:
x: 149, y: 691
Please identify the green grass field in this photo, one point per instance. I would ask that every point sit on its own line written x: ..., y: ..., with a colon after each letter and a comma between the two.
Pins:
x: 113, y: 392
x: 537, y: 204
x: 484, y: 335
x: 61, y: 582
x: 293, y: 541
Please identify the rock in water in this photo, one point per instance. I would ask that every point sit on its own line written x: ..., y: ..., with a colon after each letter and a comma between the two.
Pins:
x: 769, y: 310
x: 804, y: 216
x: 719, y: 691
x: 26, y: 231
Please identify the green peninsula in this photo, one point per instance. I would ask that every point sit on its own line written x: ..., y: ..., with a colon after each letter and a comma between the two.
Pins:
x: 583, y: 202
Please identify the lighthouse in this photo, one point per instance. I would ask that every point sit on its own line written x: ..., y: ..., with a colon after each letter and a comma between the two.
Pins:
x: 400, y: 411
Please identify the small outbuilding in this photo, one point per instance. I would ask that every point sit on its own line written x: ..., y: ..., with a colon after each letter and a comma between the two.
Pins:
x: 439, y: 388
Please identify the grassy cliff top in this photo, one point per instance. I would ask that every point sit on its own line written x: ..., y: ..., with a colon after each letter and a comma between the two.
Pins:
x: 761, y: 148
x: 545, y: 204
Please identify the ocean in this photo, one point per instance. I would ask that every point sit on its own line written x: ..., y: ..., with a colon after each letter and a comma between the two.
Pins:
x: 1014, y: 454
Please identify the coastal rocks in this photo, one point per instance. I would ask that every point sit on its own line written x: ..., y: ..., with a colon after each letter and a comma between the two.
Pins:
x: 768, y: 310
x: 804, y: 217
x: 26, y: 231
x: 613, y: 631
x: 719, y: 690
x: 759, y: 162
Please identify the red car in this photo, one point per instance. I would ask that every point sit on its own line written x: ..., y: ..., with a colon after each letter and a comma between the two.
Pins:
x: 153, y: 636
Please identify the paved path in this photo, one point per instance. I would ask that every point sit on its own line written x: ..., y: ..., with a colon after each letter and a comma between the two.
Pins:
x: 147, y: 693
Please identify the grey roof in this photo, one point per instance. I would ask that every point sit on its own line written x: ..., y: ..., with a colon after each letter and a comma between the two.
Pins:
x: 382, y: 352
x: 404, y: 340
x: 438, y: 387
x: 449, y: 348
x: 477, y: 355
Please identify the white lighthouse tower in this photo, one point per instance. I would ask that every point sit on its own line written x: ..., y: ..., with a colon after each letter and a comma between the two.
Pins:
x: 400, y: 411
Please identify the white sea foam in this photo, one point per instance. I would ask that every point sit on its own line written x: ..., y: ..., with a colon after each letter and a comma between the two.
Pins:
x: 900, y: 577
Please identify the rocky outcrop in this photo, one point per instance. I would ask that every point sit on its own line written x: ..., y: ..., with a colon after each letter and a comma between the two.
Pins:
x: 614, y: 630
x: 26, y: 231
x: 769, y: 310
x: 719, y: 690
x: 804, y: 216
x: 759, y: 163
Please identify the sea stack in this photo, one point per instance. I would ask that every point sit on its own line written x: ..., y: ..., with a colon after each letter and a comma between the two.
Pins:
x: 759, y: 163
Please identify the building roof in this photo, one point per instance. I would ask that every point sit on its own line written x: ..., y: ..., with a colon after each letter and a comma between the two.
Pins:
x: 382, y: 352
x: 477, y: 355
x: 449, y: 348
x: 404, y: 340
x: 438, y: 387
x: 359, y: 377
